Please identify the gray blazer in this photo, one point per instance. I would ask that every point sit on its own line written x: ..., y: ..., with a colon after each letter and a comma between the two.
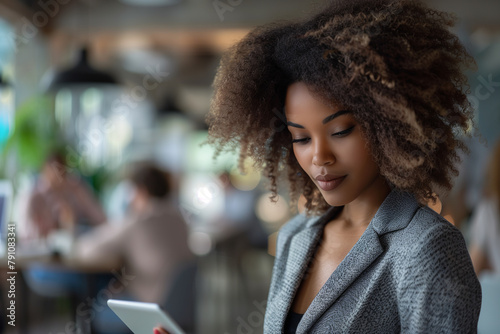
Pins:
x: 410, y: 272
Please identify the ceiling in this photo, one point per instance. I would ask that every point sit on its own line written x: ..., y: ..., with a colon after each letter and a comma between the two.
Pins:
x: 78, y: 15
x: 188, y: 35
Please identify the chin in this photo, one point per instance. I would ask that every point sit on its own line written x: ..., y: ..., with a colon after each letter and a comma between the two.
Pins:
x: 336, y: 200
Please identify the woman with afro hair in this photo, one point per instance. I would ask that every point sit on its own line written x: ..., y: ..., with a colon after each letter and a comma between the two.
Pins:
x: 361, y: 109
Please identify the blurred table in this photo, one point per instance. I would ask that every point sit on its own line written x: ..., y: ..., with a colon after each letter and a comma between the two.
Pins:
x: 36, y: 257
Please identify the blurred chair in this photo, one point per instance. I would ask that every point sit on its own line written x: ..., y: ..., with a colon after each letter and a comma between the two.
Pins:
x: 58, y: 282
x: 181, y: 299
x: 489, y: 318
x: 55, y: 283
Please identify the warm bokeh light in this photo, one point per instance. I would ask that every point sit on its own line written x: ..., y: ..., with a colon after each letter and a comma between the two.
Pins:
x: 245, y: 181
x: 273, y: 214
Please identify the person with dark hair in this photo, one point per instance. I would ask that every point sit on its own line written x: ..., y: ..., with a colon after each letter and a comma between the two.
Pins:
x: 149, y: 182
x: 152, y: 241
x: 361, y: 107
x: 150, y: 179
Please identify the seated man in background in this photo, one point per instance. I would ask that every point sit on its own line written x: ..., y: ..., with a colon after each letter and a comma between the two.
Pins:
x: 151, y: 242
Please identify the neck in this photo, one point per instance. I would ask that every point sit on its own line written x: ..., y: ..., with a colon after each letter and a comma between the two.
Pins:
x: 361, y: 211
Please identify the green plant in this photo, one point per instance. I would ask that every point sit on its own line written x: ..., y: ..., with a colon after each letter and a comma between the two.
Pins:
x: 35, y: 135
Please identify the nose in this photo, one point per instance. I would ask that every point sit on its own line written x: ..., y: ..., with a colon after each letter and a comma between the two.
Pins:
x: 323, y: 154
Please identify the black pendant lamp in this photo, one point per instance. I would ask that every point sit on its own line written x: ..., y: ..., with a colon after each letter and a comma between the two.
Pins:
x: 81, y: 73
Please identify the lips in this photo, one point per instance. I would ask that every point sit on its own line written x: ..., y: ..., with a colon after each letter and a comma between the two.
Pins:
x: 329, y: 182
x: 328, y: 177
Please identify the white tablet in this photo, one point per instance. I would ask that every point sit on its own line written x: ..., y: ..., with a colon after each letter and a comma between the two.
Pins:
x: 141, y: 318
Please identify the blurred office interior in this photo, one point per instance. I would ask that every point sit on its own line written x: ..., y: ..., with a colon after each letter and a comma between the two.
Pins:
x: 112, y: 82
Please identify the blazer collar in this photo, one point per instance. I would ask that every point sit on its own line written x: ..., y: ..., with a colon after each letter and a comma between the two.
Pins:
x: 394, y: 213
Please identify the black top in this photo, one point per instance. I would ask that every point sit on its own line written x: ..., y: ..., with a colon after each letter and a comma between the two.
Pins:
x: 291, y: 322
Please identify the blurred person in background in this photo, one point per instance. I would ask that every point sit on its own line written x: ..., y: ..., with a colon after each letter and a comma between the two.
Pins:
x: 59, y: 206
x: 152, y: 241
x: 58, y: 198
x: 485, y: 221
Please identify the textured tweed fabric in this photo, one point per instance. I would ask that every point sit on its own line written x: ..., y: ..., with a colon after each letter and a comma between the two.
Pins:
x: 410, y: 272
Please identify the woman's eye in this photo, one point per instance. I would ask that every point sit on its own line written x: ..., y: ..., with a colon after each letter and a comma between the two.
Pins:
x: 340, y: 134
x: 301, y: 140
x: 343, y: 133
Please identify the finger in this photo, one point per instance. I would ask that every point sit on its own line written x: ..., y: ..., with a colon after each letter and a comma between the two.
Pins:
x: 159, y: 330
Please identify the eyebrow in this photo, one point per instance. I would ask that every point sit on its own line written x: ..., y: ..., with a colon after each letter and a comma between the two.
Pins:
x: 326, y: 120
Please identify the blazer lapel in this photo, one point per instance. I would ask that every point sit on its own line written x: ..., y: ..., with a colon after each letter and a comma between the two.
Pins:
x: 302, y: 248
x: 363, y: 253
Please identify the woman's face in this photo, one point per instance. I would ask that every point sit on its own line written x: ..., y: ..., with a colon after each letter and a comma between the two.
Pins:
x: 330, y: 148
